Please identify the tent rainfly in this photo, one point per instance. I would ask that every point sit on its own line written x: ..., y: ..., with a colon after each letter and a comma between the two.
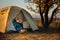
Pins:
x: 9, y: 13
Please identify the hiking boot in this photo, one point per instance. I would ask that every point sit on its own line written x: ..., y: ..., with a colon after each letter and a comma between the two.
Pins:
x: 23, y: 31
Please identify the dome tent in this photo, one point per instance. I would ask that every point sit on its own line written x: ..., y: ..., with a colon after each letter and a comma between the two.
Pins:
x: 9, y: 13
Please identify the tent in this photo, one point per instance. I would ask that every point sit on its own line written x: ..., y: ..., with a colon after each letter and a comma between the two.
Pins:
x: 9, y: 13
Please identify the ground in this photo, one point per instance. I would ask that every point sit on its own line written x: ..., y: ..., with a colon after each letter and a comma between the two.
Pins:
x: 30, y: 36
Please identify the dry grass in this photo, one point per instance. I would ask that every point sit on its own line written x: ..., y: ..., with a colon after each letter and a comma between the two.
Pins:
x: 30, y: 36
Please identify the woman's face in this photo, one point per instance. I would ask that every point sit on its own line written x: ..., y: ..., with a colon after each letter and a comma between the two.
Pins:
x: 17, y: 20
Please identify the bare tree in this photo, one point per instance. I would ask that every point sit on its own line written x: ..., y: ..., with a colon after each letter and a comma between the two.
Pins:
x: 45, y: 6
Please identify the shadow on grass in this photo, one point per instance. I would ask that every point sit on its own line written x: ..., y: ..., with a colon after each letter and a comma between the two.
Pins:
x: 42, y: 30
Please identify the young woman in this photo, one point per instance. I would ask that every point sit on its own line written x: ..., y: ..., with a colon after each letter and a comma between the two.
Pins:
x: 17, y: 25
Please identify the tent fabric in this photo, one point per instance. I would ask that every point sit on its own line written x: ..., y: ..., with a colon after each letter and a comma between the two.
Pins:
x: 25, y: 24
x: 11, y: 27
x: 30, y: 20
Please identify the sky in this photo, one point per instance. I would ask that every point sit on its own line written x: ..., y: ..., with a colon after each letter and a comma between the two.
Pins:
x: 4, y: 3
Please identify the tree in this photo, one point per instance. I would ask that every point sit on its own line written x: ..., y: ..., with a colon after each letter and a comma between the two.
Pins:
x: 45, y: 6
